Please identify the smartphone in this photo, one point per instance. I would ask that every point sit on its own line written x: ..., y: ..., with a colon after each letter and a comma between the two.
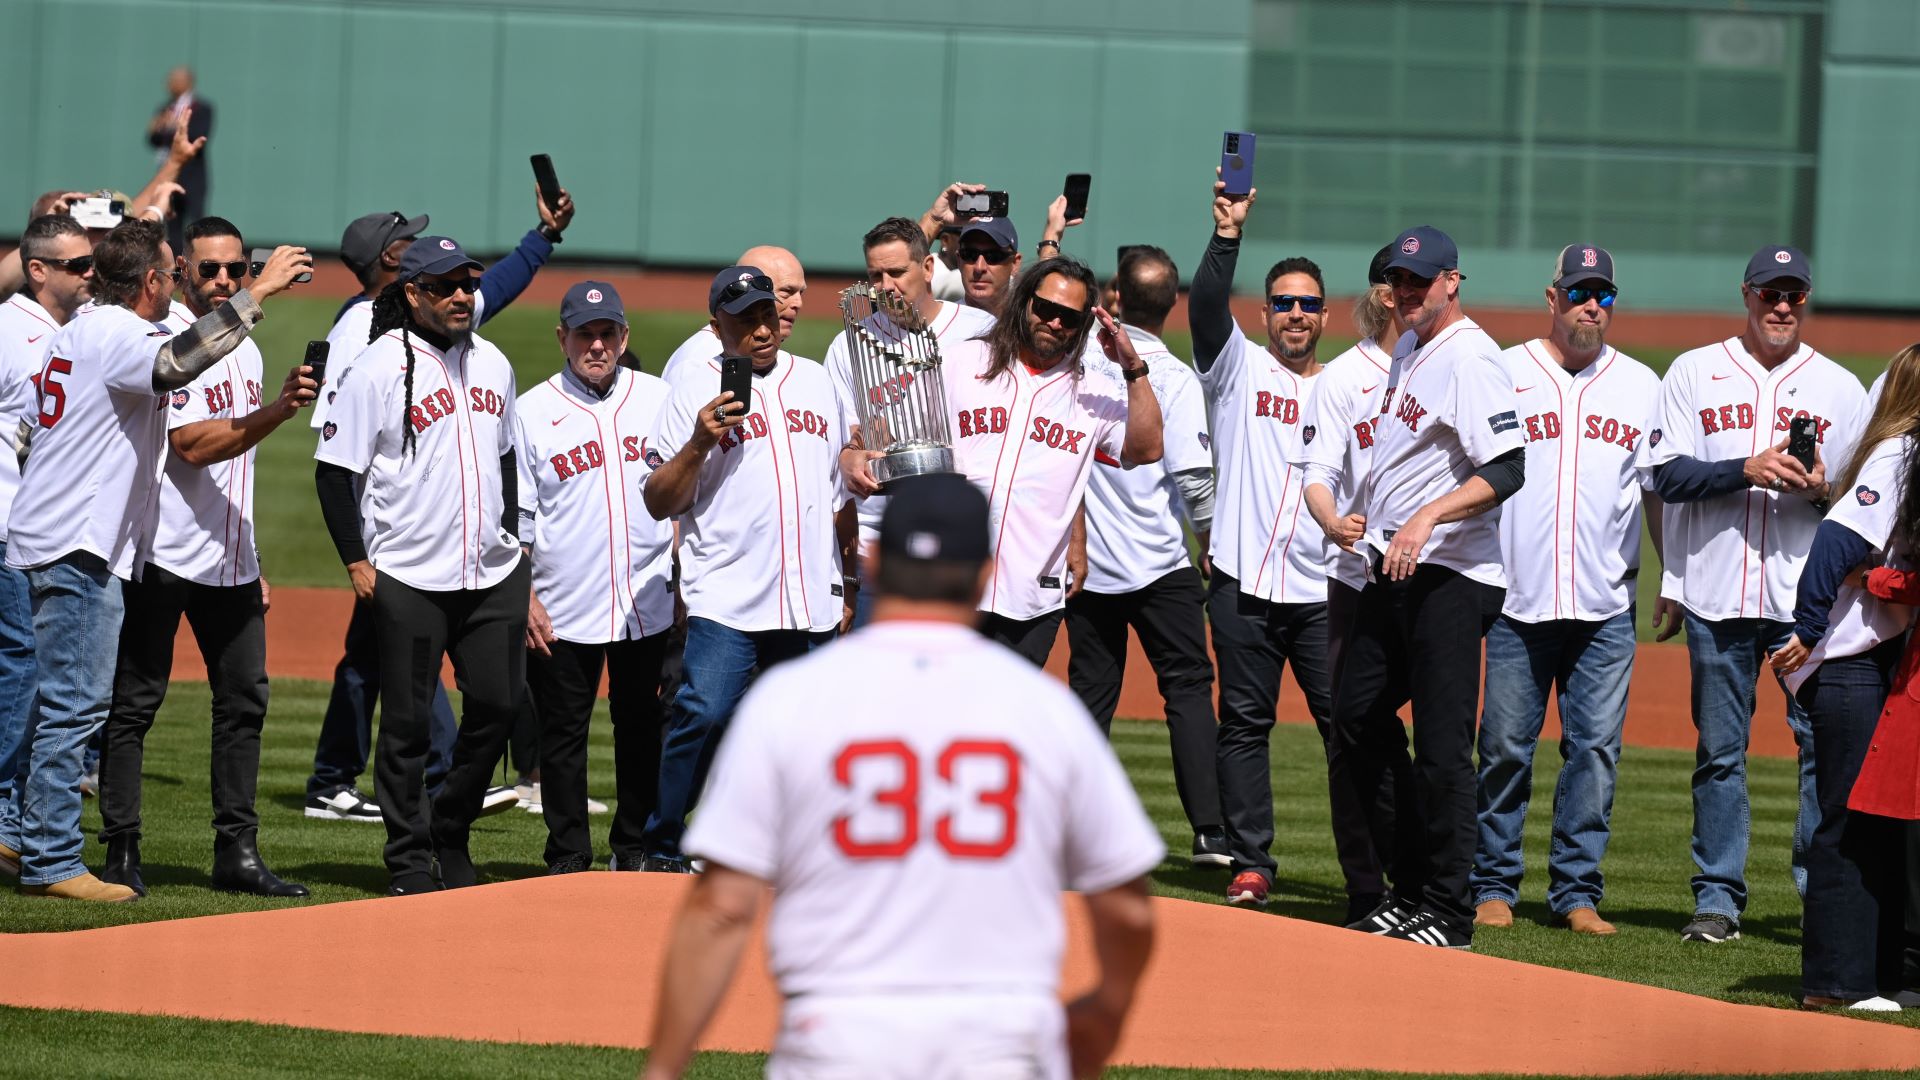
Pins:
x: 549, y: 183
x: 736, y: 374
x: 177, y: 204
x: 258, y: 258
x: 317, y: 360
x: 1800, y: 440
x: 1236, y: 162
x: 97, y: 212
x: 1076, y: 193
x: 981, y: 204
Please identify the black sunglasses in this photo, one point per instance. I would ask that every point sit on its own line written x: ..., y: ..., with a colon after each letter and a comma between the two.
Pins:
x: 742, y: 286
x: 1310, y: 305
x: 994, y: 256
x: 446, y: 287
x: 1397, y: 277
x: 77, y: 266
x: 1772, y: 297
x: 1048, y: 311
x: 1578, y: 295
x: 209, y: 269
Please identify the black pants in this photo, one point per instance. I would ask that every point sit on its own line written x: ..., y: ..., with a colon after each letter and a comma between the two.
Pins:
x: 523, y: 740
x: 565, y: 686
x: 346, y: 729
x: 485, y: 633
x: 1253, y: 641
x: 1419, y: 640
x: 1169, y: 616
x: 1362, y: 829
x: 1032, y: 638
x: 230, y: 626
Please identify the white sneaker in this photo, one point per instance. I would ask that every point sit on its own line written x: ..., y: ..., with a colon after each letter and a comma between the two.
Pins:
x: 595, y: 806
x: 347, y: 804
x: 497, y: 799
x: 529, y: 796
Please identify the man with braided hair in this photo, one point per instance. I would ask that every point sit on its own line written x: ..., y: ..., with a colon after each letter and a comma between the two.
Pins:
x: 417, y: 483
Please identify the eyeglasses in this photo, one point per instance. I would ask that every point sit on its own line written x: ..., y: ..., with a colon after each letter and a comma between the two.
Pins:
x: 1579, y: 296
x: 1309, y: 305
x: 1772, y: 297
x: 994, y: 256
x: 209, y: 269
x: 78, y: 266
x: 172, y: 272
x: 1397, y: 278
x: 446, y: 287
x: 738, y: 288
x: 1048, y: 311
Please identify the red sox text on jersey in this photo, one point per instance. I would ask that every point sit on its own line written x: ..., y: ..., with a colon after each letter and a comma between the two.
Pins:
x: 1541, y: 426
x: 993, y: 421
x: 1740, y: 418
x: 755, y: 426
x: 588, y: 455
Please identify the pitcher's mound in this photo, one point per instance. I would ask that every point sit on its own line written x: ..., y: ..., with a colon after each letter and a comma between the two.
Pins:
x: 575, y: 959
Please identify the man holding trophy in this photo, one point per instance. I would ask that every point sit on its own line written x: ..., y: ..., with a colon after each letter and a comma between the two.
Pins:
x: 1025, y: 423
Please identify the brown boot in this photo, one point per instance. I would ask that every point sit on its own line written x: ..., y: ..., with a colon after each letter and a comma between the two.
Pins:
x: 1494, y: 913
x: 9, y: 861
x: 84, y: 887
x: 1585, y: 920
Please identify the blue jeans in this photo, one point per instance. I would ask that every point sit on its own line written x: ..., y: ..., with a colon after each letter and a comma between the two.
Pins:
x: 1590, y: 664
x: 1725, y: 657
x: 17, y: 668
x: 76, y: 619
x: 716, y: 667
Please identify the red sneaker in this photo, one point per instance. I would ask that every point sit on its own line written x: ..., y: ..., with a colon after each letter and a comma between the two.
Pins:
x: 1249, y: 888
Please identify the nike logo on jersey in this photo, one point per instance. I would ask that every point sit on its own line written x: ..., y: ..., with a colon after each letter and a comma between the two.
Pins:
x: 1409, y: 412
x: 1371, y: 389
x: 1717, y: 378
x: 35, y: 338
x: 1284, y: 409
x: 1521, y: 389
x: 559, y: 421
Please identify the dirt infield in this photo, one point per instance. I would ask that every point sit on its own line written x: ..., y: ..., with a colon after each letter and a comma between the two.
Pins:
x: 306, y: 627
x: 1316, y: 1016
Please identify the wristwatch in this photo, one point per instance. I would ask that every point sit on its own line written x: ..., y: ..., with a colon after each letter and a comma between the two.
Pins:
x: 552, y: 234
x: 1130, y: 374
x: 1054, y: 244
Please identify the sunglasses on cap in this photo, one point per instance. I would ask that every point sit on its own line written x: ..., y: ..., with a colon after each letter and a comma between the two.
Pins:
x: 209, y: 269
x: 77, y: 266
x: 1772, y: 297
x: 1048, y: 311
x: 994, y: 255
x: 1309, y: 305
x: 737, y: 289
x: 1578, y: 295
x: 445, y: 287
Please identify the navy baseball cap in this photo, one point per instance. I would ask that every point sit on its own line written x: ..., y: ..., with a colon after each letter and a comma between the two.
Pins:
x: 1377, y: 269
x: 366, y: 237
x: 738, y: 288
x: 590, y: 300
x: 998, y: 229
x: 1583, y: 262
x: 935, y: 517
x: 434, y: 255
x: 1423, y: 250
x: 1773, y: 262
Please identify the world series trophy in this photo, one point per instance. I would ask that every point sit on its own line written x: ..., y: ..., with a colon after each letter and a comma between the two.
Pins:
x: 901, y: 396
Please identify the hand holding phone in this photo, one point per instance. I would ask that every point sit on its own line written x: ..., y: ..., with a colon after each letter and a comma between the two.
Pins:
x: 549, y: 182
x: 1236, y: 163
x: 1077, y: 186
x: 257, y: 260
x: 316, y: 361
x: 1802, y: 434
x: 980, y: 204
x: 736, y: 376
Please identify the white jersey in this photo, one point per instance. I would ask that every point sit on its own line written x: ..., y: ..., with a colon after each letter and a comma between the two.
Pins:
x: 701, y: 348
x: 205, y: 530
x: 26, y: 333
x: 757, y: 548
x: 431, y: 517
x: 926, y: 853
x: 1337, y: 433
x: 1859, y: 620
x: 1453, y: 411
x: 1263, y: 536
x: 602, y: 566
x: 93, y: 472
x: 345, y: 342
x: 1029, y: 442
x: 1134, y: 536
x: 1873, y: 395
x: 951, y: 325
x: 1571, y: 534
x: 1738, y: 556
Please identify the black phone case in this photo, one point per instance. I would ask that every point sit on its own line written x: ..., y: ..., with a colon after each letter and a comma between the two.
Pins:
x: 737, y: 377
x: 317, y: 360
x: 1800, y: 441
x: 548, y: 180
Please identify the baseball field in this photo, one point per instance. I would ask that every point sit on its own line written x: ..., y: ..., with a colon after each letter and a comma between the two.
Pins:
x: 530, y: 954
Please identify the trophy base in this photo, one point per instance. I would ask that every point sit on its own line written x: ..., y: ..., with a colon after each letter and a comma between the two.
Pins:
x: 919, y: 461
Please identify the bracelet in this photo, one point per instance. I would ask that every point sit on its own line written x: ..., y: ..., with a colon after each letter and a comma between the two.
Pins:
x: 552, y: 234
x: 1133, y: 374
x: 851, y: 583
x: 1055, y: 244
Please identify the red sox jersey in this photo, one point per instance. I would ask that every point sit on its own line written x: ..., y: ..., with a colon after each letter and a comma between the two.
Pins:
x: 1029, y: 440
x: 1571, y: 534
x: 346, y: 341
x: 1337, y: 431
x: 26, y: 333
x: 430, y: 517
x: 1263, y: 536
x: 951, y: 325
x: 1738, y: 556
x: 602, y: 566
x: 701, y: 346
x: 205, y: 529
x: 1453, y: 411
x: 94, y: 472
x: 757, y: 548
x: 926, y: 850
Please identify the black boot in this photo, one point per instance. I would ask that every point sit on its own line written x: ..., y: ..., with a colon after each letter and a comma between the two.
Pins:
x: 237, y: 867
x: 123, y: 864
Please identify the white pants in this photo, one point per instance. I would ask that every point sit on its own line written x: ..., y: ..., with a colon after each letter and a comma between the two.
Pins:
x: 921, y: 1036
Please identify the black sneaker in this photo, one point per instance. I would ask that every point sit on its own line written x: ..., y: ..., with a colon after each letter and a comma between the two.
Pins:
x: 1710, y: 927
x: 571, y: 864
x: 1427, y: 928
x: 1386, y: 915
x: 1210, y: 847
x: 663, y: 864
x: 346, y: 804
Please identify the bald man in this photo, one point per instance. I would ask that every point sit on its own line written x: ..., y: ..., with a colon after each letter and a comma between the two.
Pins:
x: 789, y: 292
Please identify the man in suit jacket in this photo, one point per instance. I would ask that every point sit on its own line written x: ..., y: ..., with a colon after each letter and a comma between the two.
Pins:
x: 183, y: 105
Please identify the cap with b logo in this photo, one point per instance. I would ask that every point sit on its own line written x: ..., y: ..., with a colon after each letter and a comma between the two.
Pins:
x: 738, y: 288
x: 1581, y: 263
x: 366, y: 237
x: 434, y: 255
x: 1424, y: 250
x: 998, y: 229
x: 935, y: 517
x: 1776, y: 262
x: 590, y: 300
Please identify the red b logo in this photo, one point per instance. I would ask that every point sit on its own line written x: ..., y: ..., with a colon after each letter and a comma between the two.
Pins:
x: 1588, y: 258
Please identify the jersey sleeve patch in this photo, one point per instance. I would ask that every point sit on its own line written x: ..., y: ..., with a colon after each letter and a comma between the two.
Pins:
x: 329, y: 430
x: 1503, y: 421
x: 1866, y: 495
x: 179, y: 398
